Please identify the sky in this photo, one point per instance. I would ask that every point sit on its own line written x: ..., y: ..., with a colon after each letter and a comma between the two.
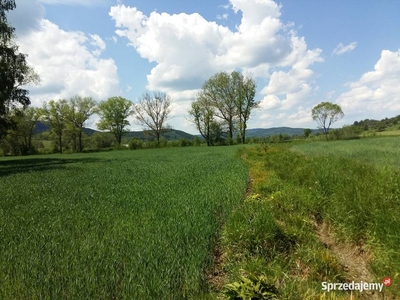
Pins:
x: 299, y: 52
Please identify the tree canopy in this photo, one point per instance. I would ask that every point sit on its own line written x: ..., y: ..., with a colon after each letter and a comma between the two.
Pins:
x: 14, y: 71
x: 152, y: 112
x: 113, y: 116
x: 224, y: 103
x: 326, y: 113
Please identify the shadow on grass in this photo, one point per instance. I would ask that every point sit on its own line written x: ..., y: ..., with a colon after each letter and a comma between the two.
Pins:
x: 10, y: 167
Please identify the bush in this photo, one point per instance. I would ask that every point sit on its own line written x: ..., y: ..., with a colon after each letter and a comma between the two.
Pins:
x: 252, y: 287
x: 135, y: 143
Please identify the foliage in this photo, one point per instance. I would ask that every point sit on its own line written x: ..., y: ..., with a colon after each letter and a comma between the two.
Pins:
x: 135, y: 143
x: 245, y: 90
x: 227, y: 97
x: 115, y: 225
x: 369, y: 124
x: 326, y: 114
x: 14, y: 71
x: 113, y: 116
x: 80, y: 109
x: 203, y: 113
x: 307, y: 132
x: 54, y: 115
x: 251, y: 287
x: 18, y: 139
x: 152, y: 112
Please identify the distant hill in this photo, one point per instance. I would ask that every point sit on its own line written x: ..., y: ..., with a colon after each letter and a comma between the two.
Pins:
x: 41, y: 127
x: 370, y: 124
x: 264, y: 132
x: 172, y: 134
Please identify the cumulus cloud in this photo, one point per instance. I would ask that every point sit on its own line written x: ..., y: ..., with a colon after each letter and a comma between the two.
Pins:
x: 67, y: 66
x: 188, y: 49
x: 377, y: 92
x: 340, y: 49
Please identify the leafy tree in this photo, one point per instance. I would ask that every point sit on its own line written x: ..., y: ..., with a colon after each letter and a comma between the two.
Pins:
x: 14, y: 71
x: 203, y: 114
x: 245, y: 90
x: 232, y: 97
x: 113, y: 116
x: 100, y: 140
x: 326, y: 114
x: 26, y: 122
x: 18, y: 139
x: 220, y: 91
x: 152, y: 112
x: 80, y: 109
x: 307, y: 132
x: 54, y: 115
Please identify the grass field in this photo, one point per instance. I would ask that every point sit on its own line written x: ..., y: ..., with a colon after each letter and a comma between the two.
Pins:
x: 149, y: 224
x: 379, y: 151
x: 318, y: 212
x: 115, y: 225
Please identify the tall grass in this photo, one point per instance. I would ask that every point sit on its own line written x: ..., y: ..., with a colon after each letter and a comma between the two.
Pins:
x: 117, y: 225
x: 275, y: 232
x: 379, y: 151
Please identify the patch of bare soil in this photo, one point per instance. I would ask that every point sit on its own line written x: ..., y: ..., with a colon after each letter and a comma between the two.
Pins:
x: 353, y: 258
x: 216, y: 277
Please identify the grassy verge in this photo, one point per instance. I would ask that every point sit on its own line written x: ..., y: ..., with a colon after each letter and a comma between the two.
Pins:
x: 116, y: 225
x: 303, y: 221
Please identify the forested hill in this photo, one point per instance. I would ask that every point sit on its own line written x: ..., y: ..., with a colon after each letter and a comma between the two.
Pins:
x: 263, y: 132
x: 169, y: 135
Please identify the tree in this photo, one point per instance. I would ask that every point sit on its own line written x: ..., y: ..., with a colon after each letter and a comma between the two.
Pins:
x: 307, y: 132
x: 220, y: 92
x: 54, y: 115
x: 14, y: 71
x: 113, y: 116
x: 232, y: 96
x: 152, y: 112
x: 326, y: 114
x: 203, y: 114
x: 18, y: 138
x: 244, y: 91
x: 80, y: 109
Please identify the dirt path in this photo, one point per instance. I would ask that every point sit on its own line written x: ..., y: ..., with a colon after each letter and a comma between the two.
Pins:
x: 354, y: 259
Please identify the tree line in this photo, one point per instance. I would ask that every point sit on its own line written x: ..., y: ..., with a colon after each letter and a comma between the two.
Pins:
x: 66, y: 120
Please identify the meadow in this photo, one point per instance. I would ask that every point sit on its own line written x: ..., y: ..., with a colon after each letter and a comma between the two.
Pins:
x: 184, y: 223
x: 317, y: 212
x: 117, y: 225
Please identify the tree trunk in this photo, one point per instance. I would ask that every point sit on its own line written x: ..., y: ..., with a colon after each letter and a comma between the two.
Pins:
x: 60, y: 142
x: 80, y: 140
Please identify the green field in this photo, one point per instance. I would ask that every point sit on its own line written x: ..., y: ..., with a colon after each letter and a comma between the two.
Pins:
x: 115, y: 225
x: 318, y: 212
x: 379, y: 151
x: 183, y: 223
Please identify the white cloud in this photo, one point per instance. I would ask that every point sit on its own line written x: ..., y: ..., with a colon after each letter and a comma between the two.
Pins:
x: 188, y: 49
x: 77, y: 2
x: 98, y: 43
x: 66, y: 66
x: 340, y: 49
x: 377, y: 92
x: 223, y: 17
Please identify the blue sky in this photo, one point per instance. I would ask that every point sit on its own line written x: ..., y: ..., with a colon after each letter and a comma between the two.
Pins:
x: 299, y: 52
